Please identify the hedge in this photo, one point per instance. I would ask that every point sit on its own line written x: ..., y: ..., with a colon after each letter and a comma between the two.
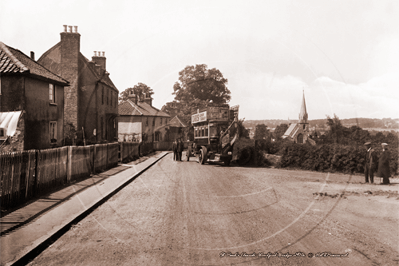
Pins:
x: 327, y: 157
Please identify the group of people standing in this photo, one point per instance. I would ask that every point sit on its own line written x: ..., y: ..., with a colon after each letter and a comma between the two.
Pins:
x: 382, y: 166
x: 177, y: 148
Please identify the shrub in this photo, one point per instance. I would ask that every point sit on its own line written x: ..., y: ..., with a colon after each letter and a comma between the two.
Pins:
x: 329, y: 157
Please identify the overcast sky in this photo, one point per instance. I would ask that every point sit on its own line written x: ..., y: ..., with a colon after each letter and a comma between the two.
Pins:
x: 343, y: 54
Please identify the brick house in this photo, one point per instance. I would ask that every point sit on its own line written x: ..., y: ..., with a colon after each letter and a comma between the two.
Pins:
x: 139, y: 121
x: 31, y: 103
x: 91, y: 100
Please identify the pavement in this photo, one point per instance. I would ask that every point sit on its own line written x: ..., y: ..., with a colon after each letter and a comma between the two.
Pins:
x: 24, y: 230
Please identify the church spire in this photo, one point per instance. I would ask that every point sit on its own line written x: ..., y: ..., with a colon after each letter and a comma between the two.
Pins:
x: 303, y: 114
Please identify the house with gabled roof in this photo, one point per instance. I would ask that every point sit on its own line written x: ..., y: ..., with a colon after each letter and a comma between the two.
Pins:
x: 91, y: 100
x: 31, y: 103
x: 176, y: 129
x: 139, y: 121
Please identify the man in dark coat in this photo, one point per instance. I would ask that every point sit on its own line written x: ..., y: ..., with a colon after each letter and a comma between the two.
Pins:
x: 179, y: 149
x: 174, y: 149
x: 370, y: 164
x: 383, y: 164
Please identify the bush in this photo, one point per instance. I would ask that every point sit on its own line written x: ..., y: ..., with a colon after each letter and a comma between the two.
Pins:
x: 329, y: 157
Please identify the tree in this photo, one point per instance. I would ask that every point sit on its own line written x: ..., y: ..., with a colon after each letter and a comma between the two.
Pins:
x: 138, y: 89
x: 335, y: 132
x: 199, y: 86
x: 261, y: 132
x: 280, y: 130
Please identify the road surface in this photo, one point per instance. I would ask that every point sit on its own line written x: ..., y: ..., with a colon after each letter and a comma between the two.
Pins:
x: 184, y: 213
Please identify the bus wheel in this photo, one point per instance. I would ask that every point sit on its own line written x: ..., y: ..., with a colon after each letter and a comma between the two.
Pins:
x: 202, y: 155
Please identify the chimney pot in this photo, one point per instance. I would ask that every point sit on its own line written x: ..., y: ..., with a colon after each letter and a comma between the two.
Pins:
x: 32, y: 55
x: 103, y: 54
x: 65, y: 28
x: 76, y: 29
x: 95, y: 53
x: 70, y: 28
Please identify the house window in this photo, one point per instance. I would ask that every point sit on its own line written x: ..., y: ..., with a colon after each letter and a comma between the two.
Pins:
x: 53, y: 131
x: 51, y: 93
x: 146, y: 122
x: 161, y: 120
x: 112, y: 97
x: 153, y: 121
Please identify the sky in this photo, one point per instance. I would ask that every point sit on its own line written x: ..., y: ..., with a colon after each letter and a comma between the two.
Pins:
x: 342, y: 55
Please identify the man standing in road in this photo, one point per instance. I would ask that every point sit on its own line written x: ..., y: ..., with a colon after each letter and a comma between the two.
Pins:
x: 383, y: 164
x: 179, y: 149
x: 174, y: 149
x: 370, y: 164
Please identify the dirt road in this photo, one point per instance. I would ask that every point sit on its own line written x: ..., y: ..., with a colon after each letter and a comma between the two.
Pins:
x: 184, y: 213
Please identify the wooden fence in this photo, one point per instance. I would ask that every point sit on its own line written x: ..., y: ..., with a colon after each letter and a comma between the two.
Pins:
x: 129, y: 151
x: 33, y: 173
x: 163, y: 146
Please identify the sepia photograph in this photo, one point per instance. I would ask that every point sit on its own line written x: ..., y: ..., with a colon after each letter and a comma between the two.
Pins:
x: 175, y: 132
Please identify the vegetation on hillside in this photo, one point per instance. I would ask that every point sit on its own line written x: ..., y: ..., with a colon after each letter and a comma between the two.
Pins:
x: 340, y: 149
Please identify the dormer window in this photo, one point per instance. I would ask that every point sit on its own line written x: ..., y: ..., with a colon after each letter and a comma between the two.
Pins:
x: 52, y: 93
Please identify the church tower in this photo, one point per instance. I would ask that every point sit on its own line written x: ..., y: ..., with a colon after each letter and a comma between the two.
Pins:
x: 303, y: 116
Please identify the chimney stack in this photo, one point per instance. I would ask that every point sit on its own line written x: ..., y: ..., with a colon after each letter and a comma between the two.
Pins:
x: 132, y: 97
x: 100, y: 59
x: 148, y: 99
x: 69, y: 70
x: 32, y: 55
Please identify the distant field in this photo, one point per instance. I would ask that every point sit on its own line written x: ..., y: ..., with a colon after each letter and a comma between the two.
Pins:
x: 382, y: 129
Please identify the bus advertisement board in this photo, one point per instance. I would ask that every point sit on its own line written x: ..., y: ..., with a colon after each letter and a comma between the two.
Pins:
x: 200, y: 117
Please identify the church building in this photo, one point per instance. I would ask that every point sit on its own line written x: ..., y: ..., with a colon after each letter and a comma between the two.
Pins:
x: 299, y: 132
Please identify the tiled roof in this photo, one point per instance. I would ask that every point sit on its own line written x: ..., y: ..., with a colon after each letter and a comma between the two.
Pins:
x: 14, y: 61
x: 104, y: 77
x: 292, y: 129
x: 141, y: 108
x: 176, y: 122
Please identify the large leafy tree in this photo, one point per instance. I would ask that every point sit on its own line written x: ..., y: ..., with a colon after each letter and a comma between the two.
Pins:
x: 262, y: 132
x: 336, y: 130
x: 280, y: 130
x: 137, y: 89
x: 199, y: 86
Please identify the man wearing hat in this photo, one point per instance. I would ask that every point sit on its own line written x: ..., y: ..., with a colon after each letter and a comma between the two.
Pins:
x: 174, y: 149
x: 383, y: 164
x: 371, y: 163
